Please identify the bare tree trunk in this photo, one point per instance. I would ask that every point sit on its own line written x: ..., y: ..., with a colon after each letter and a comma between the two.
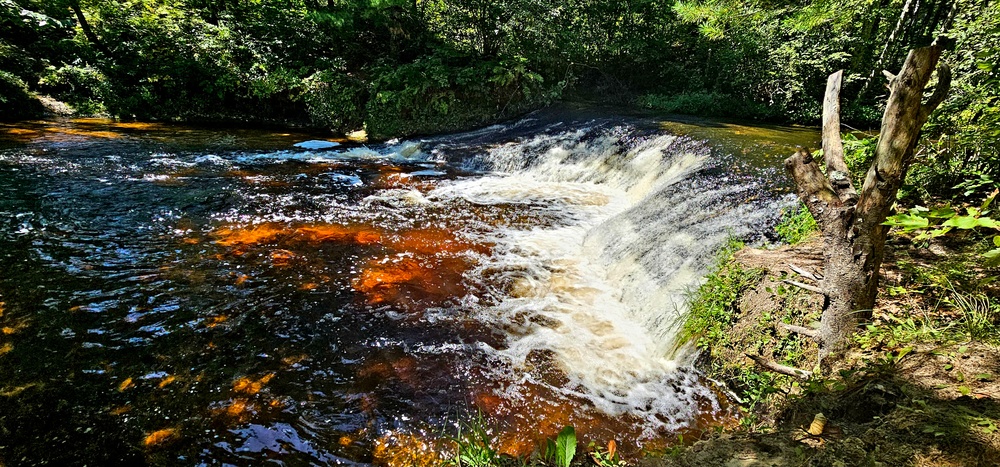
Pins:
x: 851, y: 222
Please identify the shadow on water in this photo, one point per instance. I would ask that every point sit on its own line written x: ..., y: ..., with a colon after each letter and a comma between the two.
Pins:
x: 173, y: 294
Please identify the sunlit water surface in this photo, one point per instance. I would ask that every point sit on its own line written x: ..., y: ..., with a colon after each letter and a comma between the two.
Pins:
x: 187, y: 296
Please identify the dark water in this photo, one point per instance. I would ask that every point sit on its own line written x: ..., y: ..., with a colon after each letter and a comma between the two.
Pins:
x: 185, y: 296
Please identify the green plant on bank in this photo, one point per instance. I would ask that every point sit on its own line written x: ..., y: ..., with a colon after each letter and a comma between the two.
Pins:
x: 895, y: 332
x: 933, y: 223
x: 858, y: 155
x: 474, y: 446
x: 713, y: 311
x: 560, y: 452
x: 796, y: 225
x: 713, y: 304
x: 605, y: 457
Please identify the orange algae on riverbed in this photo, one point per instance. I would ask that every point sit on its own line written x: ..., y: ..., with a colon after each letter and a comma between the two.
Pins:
x: 241, y: 238
x: 407, y: 281
x: 238, y: 237
x: 427, y: 269
x: 338, y: 233
x: 406, y: 450
x: 160, y: 437
x: 251, y: 386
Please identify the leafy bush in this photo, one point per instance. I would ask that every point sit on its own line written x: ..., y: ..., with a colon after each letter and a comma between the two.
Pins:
x: 704, y: 103
x: 15, y: 100
x: 931, y: 223
x: 82, y: 87
x: 446, y: 91
x: 335, y: 100
x: 796, y: 225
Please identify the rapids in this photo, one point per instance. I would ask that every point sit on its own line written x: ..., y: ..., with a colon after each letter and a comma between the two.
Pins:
x: 221, y: 296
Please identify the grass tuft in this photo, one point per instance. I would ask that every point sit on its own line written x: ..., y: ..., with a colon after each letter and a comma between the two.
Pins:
x: 796, y: 225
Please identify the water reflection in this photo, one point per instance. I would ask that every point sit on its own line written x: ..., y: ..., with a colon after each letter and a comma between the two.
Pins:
x: 216, y: 297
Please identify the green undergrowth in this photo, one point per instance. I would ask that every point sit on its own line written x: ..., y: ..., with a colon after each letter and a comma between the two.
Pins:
x: 475, y: 446
x: 713, y: 306
x: 731, y: 317
x: 917, y: 387
x: 796, y: 225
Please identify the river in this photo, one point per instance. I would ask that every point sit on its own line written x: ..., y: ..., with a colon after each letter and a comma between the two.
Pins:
x: 194, y: 296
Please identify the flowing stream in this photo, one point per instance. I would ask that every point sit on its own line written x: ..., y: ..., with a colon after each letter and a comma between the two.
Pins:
x: 192, y: 296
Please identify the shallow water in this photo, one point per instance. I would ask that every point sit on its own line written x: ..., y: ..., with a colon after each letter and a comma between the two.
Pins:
x: 177, y: 295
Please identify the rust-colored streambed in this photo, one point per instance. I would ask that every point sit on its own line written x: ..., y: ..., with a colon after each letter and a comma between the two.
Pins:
x: 185, y: 296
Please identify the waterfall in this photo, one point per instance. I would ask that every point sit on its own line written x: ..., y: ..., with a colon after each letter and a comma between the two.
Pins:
x: 632, y: 220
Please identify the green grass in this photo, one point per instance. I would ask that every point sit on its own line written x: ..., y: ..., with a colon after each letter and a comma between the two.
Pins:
x: 713, y: 306
x: 796, y: 225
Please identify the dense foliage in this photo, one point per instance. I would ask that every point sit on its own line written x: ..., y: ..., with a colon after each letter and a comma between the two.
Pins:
x: 413, y: 66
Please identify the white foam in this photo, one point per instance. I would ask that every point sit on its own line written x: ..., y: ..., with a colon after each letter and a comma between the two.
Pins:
x: 602, y: 287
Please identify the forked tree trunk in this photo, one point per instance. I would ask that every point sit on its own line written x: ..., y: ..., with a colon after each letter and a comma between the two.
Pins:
x: 851, y: 222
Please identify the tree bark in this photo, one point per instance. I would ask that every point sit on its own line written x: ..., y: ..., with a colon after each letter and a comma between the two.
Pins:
x: 87, y: 30
x: 851, y: 222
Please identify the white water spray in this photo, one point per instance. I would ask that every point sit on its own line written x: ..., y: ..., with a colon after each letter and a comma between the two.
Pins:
x: 603, y: 287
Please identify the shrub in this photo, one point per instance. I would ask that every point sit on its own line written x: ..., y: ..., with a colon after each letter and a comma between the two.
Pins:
x: 335, y: 100
x: 447, y: 91
x: 796, y: 225
x: 82, y: 87
x: 16, y: 102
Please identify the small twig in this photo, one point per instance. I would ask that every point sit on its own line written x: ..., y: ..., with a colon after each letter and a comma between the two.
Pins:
x: 804, y: 273
x: 808, y: 332
x: 802, y: 286
x: 779, y: 368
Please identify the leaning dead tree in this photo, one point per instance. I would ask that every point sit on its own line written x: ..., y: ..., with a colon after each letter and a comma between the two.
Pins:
x: 851, y: 221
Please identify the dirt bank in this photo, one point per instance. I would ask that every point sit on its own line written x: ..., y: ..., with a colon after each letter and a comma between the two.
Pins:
x: 912, y: 392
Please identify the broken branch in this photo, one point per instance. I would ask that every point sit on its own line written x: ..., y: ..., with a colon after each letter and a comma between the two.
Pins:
x: 804, y: 273
x: 808, y: 332
x: 833, y: 148
x: 779, y: 368
x: 813, y: 187
x: 940, y: 91
x: 802, y: 286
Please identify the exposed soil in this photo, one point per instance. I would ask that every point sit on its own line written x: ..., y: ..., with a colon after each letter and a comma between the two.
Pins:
x: 929, y: 402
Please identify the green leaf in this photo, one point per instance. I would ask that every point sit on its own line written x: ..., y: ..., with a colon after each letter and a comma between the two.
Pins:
x: 550, y: 450
x: 941, y: 213
x: 984, y: 377
x: 907, y: 222
x: 962, y: 222
x: 989, y: 199
x: 992, y: 257
x: 565, y: 446
x: 996, y: 240
x: 988, y: 223
x: 964, y: 390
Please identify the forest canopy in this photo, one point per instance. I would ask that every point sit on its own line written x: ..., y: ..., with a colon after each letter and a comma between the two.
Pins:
x: 400, y: 67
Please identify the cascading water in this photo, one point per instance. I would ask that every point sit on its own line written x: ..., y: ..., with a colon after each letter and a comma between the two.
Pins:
x: 600, y: 287
x: 344, y: 305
